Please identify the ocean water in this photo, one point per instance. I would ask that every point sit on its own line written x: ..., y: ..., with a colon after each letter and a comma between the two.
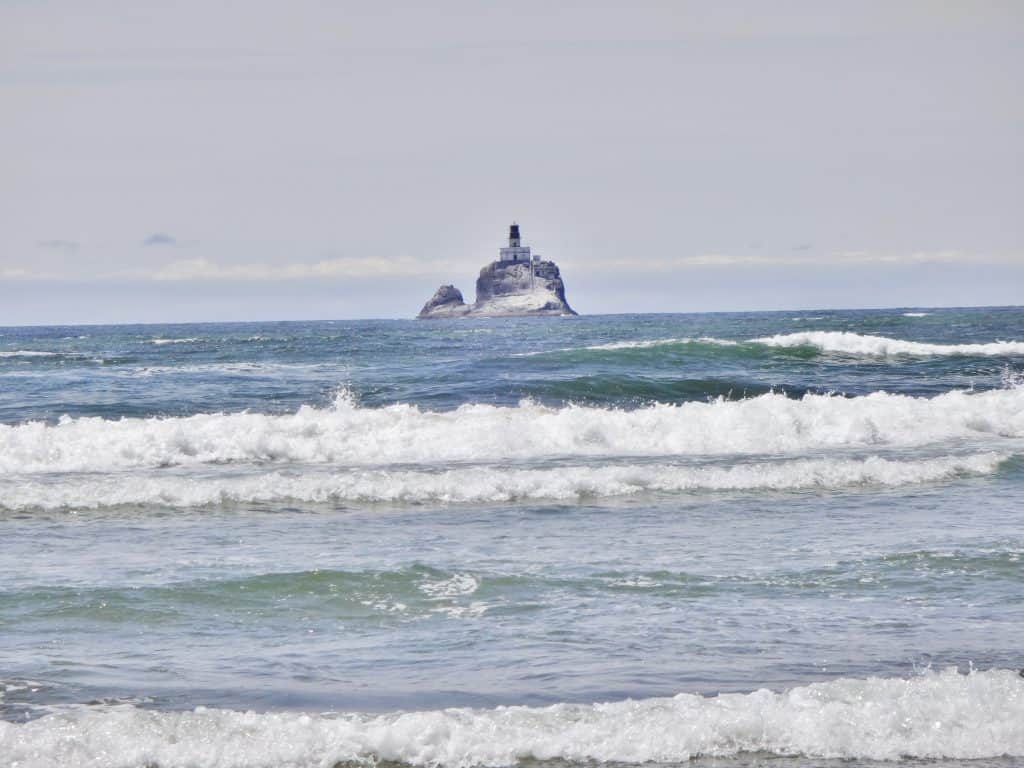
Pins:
x: 772, y: 539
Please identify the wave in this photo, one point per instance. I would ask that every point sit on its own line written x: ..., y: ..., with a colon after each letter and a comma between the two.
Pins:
x: 482, y: 484
x: 28, y: 353
x: 851, y: 343
x: 619, y: 388
x: 845, y: 342
x: 932, y: 715
x: 613, y: 346
x: 647, y: 344
x: 415, y: 589
x: 409, y: 592
x: 349, y: 435
x: 916, y: 314
x: 173, y: 341
x: 242, y: 366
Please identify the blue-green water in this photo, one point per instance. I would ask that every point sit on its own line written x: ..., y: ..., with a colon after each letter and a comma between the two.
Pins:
x: 369, y: 518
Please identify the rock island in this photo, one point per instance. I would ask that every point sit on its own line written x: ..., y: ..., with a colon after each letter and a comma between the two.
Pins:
x: 519, y: 283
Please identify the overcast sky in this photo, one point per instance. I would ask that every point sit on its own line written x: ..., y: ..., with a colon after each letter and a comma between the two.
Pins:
x: 312, y: 160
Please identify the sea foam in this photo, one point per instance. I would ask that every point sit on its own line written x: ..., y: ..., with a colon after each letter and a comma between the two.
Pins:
x: 27, y: 353
x: 932, y: 715
x: 845, y: 342
x: 860, y: 344
x: 479, y: 484
x: 647, y: 344
x: 346, y: 434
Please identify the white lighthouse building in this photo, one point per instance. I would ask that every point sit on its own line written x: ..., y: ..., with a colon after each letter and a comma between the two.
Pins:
x: 515, y: 251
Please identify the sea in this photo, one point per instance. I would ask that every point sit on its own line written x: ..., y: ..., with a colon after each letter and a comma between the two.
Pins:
x: 750, y: 539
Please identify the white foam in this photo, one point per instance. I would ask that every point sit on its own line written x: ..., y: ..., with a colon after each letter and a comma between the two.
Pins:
x: 478, y: 484
x: 173, y: 341
x: 347, y: 435
x: 828, y: 341
x: 635, y: 344
x: 27, y: 353
x: 933, y: 715
x: 859, y: 344
x: 916, y: 314
x: 245, y: 366
x: 458, y: 585
x: 647, y: 344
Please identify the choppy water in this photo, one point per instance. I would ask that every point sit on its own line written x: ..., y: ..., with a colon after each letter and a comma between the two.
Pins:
x: 740, y: 539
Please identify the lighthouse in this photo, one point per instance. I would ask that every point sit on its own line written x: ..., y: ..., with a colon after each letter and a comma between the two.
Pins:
x: 515, y: 251
x: 516, y: 284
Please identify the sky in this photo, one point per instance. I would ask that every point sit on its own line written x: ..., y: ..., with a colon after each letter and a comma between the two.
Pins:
x: 218, y: 161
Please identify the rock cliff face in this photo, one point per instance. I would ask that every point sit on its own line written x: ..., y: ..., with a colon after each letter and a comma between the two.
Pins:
x: 446, y: 302
x: 505, y: 289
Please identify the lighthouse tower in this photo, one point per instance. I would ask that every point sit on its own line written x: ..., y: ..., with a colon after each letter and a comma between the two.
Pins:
x: 515, y: 251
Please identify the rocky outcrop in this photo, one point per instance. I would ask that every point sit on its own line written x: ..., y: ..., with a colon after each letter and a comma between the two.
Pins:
x: 505, y: 289
x: 517, y: 288
x: 446, y: 302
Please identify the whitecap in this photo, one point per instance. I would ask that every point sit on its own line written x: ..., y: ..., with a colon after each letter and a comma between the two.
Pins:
x: 851, y: 343
x: 28, y: 353
x: 647, y: 344
x: 457, y: 585
x: 932, y: 715
x: 350, y: 436
x: 481, y: 485
x: 634, y: 344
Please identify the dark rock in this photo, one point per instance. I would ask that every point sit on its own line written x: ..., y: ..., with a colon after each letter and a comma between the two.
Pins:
x: 446, y: 302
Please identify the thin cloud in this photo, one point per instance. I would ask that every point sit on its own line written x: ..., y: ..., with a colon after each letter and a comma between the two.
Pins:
x: 805, y: 259
x: 59, y: 245
x: 160, y: 238
x: 340, y: 268
x: 21, y: 273
x: 408, y: 266
x: 204, y: 269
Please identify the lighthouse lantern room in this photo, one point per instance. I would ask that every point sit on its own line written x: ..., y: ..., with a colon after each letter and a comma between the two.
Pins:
x: 515, y: 251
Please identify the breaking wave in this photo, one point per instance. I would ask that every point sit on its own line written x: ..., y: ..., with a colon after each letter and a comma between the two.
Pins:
x: 27, y: 353
x: 845, y: 342
x: 632, y: 344
x: 664, y: 342
x: 860, y: 344
x: 482, y: 484
x: 346, y: 433
x: 350, y: 435
x: 933, y: 715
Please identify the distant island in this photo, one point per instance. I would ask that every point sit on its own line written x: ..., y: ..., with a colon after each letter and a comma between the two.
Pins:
x: 518, y: 284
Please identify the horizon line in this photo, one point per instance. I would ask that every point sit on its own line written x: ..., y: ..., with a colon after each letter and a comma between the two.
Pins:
x: 520, y: 317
